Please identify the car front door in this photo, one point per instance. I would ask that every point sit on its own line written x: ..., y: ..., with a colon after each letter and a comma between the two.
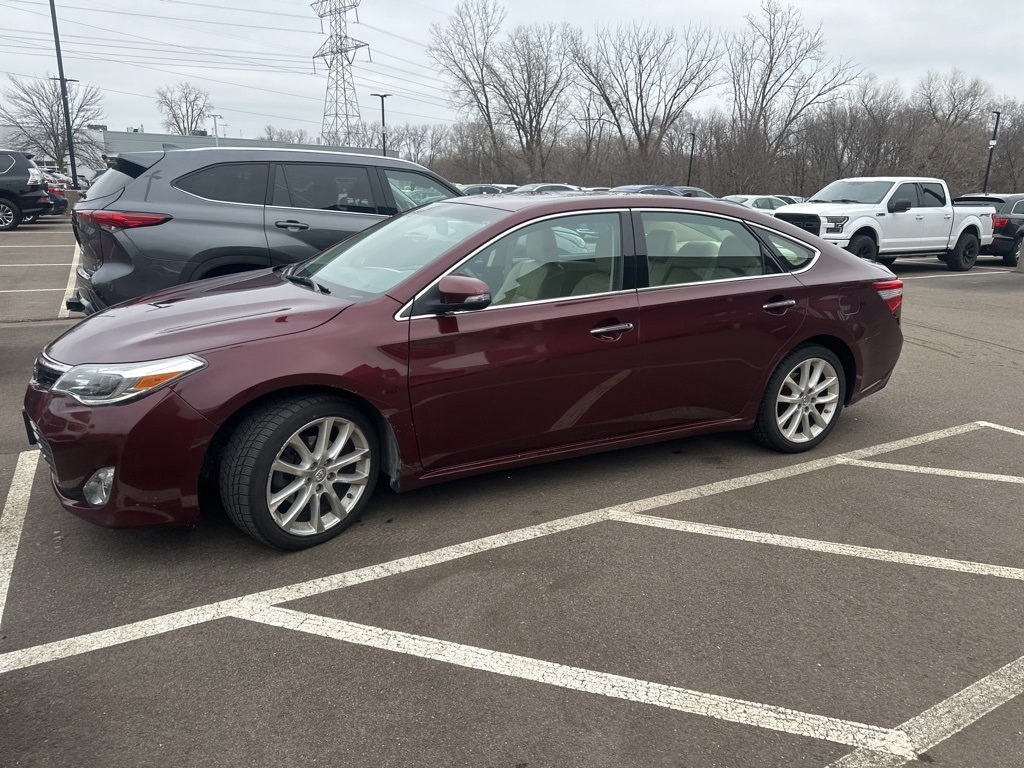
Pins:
x: 315, y: 205
x: 904, y: 231
x: 716, y: 312
x: 552, y: 361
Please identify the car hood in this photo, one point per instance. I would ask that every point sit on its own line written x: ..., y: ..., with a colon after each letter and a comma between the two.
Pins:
x: 830, y: 209
x: 196, y: 317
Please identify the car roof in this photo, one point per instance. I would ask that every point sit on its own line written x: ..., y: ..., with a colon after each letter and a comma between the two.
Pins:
x: 557, y: 202
x: 282, y: 153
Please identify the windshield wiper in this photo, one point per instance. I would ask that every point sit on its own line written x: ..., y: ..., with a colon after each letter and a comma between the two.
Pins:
x: 817, y: 200
x: 306, y: 281
x: 845, y: 200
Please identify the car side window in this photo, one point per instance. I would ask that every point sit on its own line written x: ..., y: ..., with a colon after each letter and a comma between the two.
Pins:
x: 1018, y: 208
x: 794, y: 255
x: 690, y: 248
x: 324, y: 187
x: 762, y: 202
x: 228, y: 183
x: 907, y: 191
x: 6, y: 163
x: 555, y: 258
x: 932, y: 195
x: 412, y: 189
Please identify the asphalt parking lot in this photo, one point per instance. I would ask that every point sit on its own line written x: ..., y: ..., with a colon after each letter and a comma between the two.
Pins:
x: 701, y: 602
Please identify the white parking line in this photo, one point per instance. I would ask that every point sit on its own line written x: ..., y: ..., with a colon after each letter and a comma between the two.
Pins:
x: 936, y: 471
x: 947, y: 718
x: 69, y: 291
x: 992, y: 270
x: 57, y: 264
x: 827, y: 547
x: 731, y: 710
x: 32, y: 290
x: 13, y: 517
x: 58, y: 245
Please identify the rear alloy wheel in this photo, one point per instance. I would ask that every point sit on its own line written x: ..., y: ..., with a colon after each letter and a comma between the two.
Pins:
x: 802, y: 401
x: 298, y: 472
x: 30, y: 219
x: 863, y: 247
x: 10, y: 216
x: 963, y: 256
x: 1012, y: 259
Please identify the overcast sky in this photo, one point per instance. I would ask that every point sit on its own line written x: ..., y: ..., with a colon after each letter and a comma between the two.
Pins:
x: 255, y: 56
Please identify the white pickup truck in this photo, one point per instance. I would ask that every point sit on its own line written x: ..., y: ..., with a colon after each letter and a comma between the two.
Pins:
x: 885, y: 218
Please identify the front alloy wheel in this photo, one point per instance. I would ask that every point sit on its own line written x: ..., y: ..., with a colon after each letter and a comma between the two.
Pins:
x: 297, y: 472
x: 802, y: 401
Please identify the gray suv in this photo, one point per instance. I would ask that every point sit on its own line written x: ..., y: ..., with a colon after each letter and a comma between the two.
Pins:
x: 158, y: 219
x: 22, y: 189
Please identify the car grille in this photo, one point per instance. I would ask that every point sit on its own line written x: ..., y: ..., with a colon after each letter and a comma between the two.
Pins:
x: 45, y: 374
x: 807, y: 221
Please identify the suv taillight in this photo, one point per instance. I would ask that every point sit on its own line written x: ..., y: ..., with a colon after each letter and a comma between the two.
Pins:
x: 121, y: 220
x: 35, y: 176
x: 891, y: 292
x: 999, y: 223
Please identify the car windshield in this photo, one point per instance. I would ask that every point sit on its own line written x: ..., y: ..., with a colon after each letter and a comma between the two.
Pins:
x: 867, y: 192
x: 377, y: 259
x: 736, y: 198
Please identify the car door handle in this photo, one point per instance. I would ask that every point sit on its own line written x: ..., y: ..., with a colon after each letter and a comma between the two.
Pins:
x: 296, y: 225
x: 609, y: 330
x: 785, y: 304
x: 948, y: 216
x: 919, y: 218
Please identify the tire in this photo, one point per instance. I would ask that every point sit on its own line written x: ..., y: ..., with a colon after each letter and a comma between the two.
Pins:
x: 886, y: 261
x: 10, y: 215
x: 792, y: 417
x: 964, y: 254
x: 272, y: 437
x: 30, y: 219
x: 1012, y: 259
x: 863, y: 247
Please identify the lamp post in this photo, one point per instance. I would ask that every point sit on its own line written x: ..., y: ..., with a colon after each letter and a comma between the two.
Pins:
x: 64, y: 98
x: 216, y: 136
x: 693, y: 147
x: 991, y: 149
x: 383, y: 125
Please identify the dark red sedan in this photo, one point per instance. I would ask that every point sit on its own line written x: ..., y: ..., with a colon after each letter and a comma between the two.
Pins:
x: 465, y: 336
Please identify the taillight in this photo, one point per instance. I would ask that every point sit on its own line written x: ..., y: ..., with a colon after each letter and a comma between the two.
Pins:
x: 121, y: 220
x: 35, y: 176
x: 999, y: 223
x: 891, y: 292
x: 56, y: 191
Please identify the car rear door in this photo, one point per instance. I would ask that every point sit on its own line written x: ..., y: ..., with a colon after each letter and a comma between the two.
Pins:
x: 904, y: 231
x: 935, y: 215
x: 315, y: 205
x: 551, y: 362
x: 716, y: 312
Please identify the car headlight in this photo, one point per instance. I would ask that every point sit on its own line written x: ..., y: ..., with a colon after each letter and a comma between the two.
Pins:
x: 105, y: 383
x: 835, y: 223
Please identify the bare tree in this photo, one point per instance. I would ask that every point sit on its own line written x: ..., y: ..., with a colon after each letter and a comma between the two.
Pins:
x: 462, y: 48
x: 778, y: 71
x: 35, y: 110
x: 647, y: 77
x: 185, y: 108
x: 288, y: 135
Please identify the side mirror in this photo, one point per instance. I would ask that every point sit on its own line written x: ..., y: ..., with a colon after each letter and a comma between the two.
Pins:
x: 899, y: 206
x: 459, y: 293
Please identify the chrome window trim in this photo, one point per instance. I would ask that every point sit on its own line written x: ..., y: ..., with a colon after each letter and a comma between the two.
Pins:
x: 809, y: 264
x: 408, y: 305
x: 321, y: 210
x: 520, y: 304
x: 716, y: 280
x: 214, y: 200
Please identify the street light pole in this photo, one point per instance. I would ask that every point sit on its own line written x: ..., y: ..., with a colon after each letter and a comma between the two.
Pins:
x: 991, y: 149
x: 383, y: 125
x: 64, y: 98
x: 693, y: 147
x: 216, y: 135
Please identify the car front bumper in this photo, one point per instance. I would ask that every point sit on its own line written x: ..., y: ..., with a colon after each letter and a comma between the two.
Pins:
x: 156, y: 444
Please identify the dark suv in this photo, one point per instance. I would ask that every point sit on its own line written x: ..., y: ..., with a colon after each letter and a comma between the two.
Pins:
x: 157, y: 219
x: 1007, y: 224
x: 22, y: 189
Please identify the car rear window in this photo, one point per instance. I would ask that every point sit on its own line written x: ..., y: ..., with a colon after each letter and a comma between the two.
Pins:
x: 228, y: 183
x: 120, y: 174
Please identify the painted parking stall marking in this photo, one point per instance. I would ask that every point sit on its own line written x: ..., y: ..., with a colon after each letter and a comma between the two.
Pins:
x: 876, y: 746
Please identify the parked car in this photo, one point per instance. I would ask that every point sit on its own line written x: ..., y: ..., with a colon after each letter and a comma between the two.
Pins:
x: 539, y: 187
x: 481, y: 189
x: 648, y: 189
x: 22, y: 189
x: 694, y: 192
x: 884, y: 218
x: 458, y: 338
x: 158, y: 219
x: 58, y: 204
x: 765, y: 203
x: 1007, y: 224
x: 790, y: 199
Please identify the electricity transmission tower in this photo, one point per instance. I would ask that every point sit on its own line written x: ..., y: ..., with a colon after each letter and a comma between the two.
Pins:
x: 341, y: 110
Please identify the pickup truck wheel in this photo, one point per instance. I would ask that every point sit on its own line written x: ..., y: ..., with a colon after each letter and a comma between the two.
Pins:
x: 1012, y: 259
x: 963, y: 256
x: 864, y: 247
